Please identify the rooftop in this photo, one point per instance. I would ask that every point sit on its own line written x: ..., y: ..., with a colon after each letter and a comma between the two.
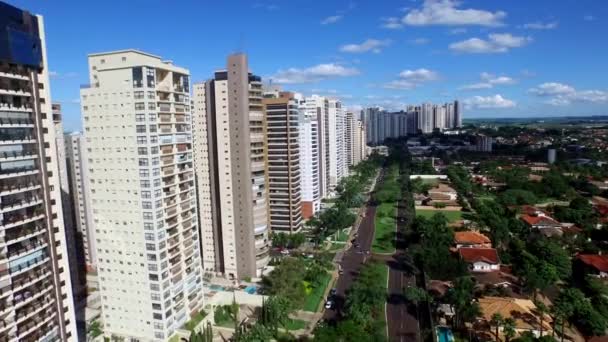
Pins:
x: 468, y: 237
x: 521, y: 310
x: 472, y: 255
x: 599, y: 262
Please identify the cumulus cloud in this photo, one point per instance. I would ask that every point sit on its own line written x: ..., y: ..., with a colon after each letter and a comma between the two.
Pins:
x: 391, y: 23
x: 496, y: 43
x: 420, y: 41
x: 446, y: 12
x: 488, y: 81
x: 560, y: 94
x: 313, y: 74
x: 373, y: 45
x: 332, y: 19
x: 488, y: 102
x: 540, y: 26
x: 409, y: 79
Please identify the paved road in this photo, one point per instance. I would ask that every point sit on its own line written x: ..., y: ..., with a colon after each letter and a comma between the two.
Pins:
x: 351, y: 263
x: 402, y: 324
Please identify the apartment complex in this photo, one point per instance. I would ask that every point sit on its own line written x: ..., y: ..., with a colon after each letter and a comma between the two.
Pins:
x: 317, y: 109
x: 136, y: 116
x: 78, y: 173
x: 283, y: 150
x: 35, y: 287
x: 229, y: 119
x: 425, y: 118
x: 310, y: 171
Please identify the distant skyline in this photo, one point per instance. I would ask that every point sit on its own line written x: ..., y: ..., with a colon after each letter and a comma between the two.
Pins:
x: 500, y: 58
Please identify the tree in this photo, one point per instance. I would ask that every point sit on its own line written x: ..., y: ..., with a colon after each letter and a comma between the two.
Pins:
x: 461, y: 299
x: 204, y: 336
x: 497, y: 320
x: 541, y: 310
x: 416, y: 295
x: 508, y: 328
x: 94, y: 329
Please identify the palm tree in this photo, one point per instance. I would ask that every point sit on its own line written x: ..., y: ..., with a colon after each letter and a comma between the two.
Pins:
x: 508, y: 328
x: 497, y: 320
x: 541, y: 309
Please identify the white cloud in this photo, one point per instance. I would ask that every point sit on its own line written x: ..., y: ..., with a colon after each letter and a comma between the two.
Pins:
x: 373, y: 45
x: 488, y: 102
x: 420, y: 41
x: 458, y: 30
x: 445, y: 12
x: 313, y: 74
x: 391, y: 23
x: 268, y: 7
x: 59, y: 75
x: 588, y: 18
x: 496, y: 43
x: 331, y: 19
x: 409, y: 79
x: 560, y: 94
x: 488, y: 81
x: 540, y: 26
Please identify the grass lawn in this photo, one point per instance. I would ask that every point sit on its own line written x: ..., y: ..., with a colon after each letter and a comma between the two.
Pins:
x: 316, y: 296
x: 385, y: 223
x: 486, y: 198
x: 342, y: 235
x: 384, y: 281
x: 295, y: 324
x: 451, y: 215
x: 194, y: 321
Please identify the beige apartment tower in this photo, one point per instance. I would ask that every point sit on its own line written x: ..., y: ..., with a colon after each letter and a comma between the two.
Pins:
x: 36, y: 301
x: 284, y: 181
x: 230, y: 151
x: 136, y: 116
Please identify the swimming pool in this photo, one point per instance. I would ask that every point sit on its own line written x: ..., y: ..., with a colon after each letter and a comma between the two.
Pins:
x: 217, y: 288
x: 444, y: 334
x: 251, y: 289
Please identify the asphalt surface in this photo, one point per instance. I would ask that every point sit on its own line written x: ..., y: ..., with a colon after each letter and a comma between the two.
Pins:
x: 401, y: 318
x: 351, y: 263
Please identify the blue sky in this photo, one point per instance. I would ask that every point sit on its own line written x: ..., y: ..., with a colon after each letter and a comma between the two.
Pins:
x: 501, y: 58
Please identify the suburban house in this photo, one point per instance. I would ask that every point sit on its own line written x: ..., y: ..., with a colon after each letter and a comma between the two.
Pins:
x: 469, y: 239
x: 522, y: 311
x: 538, y: 219
x: 592, y: 264
x: 480, y: 259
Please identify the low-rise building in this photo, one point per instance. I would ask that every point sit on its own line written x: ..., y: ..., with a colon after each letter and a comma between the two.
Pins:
x: 480, y: 259
x: 469, y: 239
x: 592, y: 264
x: 522, y: 311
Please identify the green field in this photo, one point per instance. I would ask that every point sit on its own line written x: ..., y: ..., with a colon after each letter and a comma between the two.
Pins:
x: 385, y: 223
x: 316, y: 296
x: 451, y: 215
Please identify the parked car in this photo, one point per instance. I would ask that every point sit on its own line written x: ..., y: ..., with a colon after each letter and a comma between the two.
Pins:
x: 285, y: 252
x: 329, y: 304
x: 333, y: 291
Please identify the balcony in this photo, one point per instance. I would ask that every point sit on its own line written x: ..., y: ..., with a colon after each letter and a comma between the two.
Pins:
x: 21, y: 249
x: 17, y: 155
x: 12, y: 187
x: 12, y: 138
x: 17, y: 235
x: 19, y: 203
x: 16, y: 122
x: 28, y: 265
x: 14, y: 219
x: 12, y: 107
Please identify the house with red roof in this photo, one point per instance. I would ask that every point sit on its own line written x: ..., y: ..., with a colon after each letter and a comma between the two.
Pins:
x: 593, y: 264
x: 536, y: 218
x: 470, y: 239
x: 480, y: 259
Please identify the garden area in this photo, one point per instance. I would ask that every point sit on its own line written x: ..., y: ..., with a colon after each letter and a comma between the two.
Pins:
x: 451, y: 215
x: 387, y: 194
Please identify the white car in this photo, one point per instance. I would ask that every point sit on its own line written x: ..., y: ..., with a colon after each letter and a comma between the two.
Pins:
x: 329, y: 304
x: 285, y: 252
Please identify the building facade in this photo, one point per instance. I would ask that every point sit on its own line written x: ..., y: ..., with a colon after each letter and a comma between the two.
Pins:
x: 229, y: 118
x: 136, y: 116
x: 283, y: 157
x: 36, y: 300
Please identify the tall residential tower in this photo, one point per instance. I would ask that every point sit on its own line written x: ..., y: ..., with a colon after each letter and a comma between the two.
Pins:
x: 36, y: 301
x: 230, y: 150
x: 136, y: 114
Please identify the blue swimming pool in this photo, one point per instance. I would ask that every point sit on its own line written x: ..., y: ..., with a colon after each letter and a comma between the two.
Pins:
x: 444, y: 334
x: 251, y: 289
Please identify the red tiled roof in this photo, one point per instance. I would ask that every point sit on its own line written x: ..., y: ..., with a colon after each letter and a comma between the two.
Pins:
x: 599, y: 262
x: 532, y: 220
x: 472, y: 255
x: 602, y: 209
x: 471, y: 237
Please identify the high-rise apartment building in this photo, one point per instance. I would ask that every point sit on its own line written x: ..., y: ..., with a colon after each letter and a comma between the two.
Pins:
x: 283, y: 162
x: 136, y: 116
x: 310, y: 161
x: 78, y: 173
x: 349, y: 140
x: 36, y: 301
x: 230, y: 139
x: 318, y: 107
